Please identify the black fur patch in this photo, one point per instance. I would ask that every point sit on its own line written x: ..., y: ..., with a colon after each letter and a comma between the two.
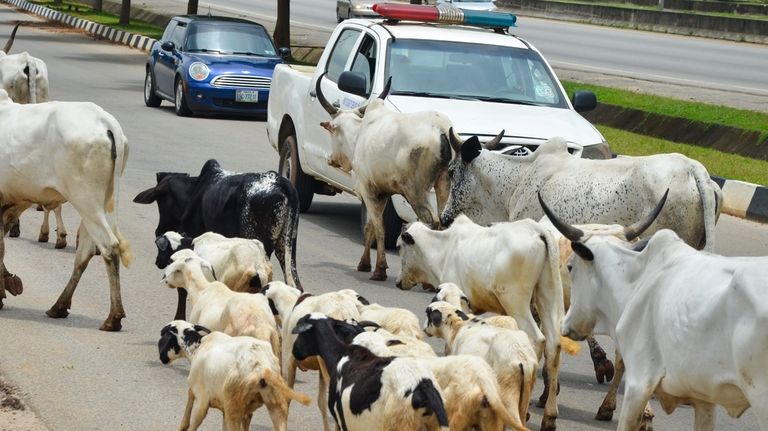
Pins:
x: 462, y: 315
x: 435, y: 317
x: 445, y: 149
x: 470, y: 149
x: 407, y: 238
x: 394, y: 342
x: 362, y: 300
x: 426, y: 396
x: 272, y: 307
x: 640, y: 245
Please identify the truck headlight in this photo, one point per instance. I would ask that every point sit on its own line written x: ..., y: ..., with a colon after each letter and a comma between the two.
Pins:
x: 198, y: 71
x: 599, y: 151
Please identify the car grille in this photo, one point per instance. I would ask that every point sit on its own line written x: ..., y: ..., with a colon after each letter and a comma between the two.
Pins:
x: 243, y: 81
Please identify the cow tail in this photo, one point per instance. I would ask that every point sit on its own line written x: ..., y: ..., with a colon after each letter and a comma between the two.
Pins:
x: 711, y: 198
x: 32, y: 79
x: 119, y: 156
x: 290, y: 233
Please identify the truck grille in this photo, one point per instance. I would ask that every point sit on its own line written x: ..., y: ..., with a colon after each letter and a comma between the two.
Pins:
x: 242, y: 81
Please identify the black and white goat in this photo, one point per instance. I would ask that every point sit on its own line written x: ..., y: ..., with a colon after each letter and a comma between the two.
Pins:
x: 368, y: 392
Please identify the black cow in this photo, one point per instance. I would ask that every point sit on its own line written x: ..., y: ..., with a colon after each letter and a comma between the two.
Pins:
x: 263, y: 206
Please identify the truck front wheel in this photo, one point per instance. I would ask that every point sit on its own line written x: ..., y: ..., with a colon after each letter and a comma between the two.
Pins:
x: 291, y: 169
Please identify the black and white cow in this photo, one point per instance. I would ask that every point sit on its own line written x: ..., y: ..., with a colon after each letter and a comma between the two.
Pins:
x: 261, y: 206
x: 366, y: 391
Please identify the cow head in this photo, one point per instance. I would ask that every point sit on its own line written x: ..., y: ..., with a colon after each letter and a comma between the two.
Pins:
x: 179, y: 339
x: 443, y: 320
x: 589, y: 266
x: 23, y: 76
x: 468, y: 195
x: 167, y: 244
x: 171, y: 194
x: 344, y: 125
x: 414, y: 247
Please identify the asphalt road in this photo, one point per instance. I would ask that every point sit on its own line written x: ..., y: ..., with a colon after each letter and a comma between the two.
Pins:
x: 78, y: 378
x: 689, y: 61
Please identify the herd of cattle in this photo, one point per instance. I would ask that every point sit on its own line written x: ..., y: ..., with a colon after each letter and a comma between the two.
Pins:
x: 526, y: 238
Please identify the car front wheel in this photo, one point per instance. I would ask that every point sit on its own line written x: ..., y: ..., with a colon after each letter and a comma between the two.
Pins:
x: 291, y: 169
x: 180, y: 100
x: 150, y: 98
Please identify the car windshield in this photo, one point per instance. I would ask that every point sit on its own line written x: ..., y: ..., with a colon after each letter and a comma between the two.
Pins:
x: 229, y: 38
x: 468, y: 71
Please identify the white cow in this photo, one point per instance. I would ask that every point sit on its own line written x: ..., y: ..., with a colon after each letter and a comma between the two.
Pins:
x: 490, y: 187
x: 503, y: 268
x: 390, y: 153
x: 66, y: 151
x: 691, y: 326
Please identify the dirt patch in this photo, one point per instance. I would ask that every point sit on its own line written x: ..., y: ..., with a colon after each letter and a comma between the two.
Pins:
x: 14, y: 415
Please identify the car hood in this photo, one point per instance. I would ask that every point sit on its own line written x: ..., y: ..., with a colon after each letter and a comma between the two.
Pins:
x: 236, y: 62
x: 519, y: 121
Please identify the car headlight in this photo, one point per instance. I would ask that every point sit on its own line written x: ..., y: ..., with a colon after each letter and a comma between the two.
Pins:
x: 599, y: 151
x: 198, y: 71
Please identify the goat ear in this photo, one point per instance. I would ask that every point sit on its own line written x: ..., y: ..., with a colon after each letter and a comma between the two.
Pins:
x: 407, y: 238
x: 368, y: 324
x: 462, y: 315
x: 435, y: 317
x: 162, y: 243
x: 202, y: 330
x: 470, y: 149
x: 301, y: 327
x: 582, y: 251
x: 362, y: 300
x: 147, y: 196
x: 465, y: 299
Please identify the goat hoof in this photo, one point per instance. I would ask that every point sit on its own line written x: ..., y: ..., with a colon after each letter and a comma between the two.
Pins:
x: 604, y: 370
x: 548, y: 423
x: 42, y: 238
x: 112, y: 324
x: 61, y: 244
x: 57, y: 312
x: 605, y: 413
x: 379, y: 275
x: 364, y: 267
x: 15, y: 231
x: 13, y: 284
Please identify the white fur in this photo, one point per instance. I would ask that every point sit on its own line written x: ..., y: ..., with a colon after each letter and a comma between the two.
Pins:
x: 398, y: 321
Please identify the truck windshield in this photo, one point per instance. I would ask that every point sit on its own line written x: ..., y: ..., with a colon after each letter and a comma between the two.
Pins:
x: 446, y: 69
x: 230, y: 38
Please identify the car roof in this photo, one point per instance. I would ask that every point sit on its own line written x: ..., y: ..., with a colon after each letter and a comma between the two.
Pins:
x: 214, y: 18
x: 447, y: 32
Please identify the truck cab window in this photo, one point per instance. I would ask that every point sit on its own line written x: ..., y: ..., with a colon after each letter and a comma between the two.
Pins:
x: 365, y: 60
x: 340, y: 53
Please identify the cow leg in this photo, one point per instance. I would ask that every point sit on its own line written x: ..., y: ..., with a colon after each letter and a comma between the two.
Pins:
x: 549, y: 302
x: 375, y: 206
x: 636, y: 397
x: 704, y: 417
x: 44, y: 228
x: 116, y: 311
x: 85, y: 251
x: 605, y: 412
x: 181, y: 306
x: 604, y: 370
x: 61, y: 231
x: 2, y: 258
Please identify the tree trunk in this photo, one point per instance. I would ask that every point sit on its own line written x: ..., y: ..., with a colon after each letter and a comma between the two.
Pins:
x: 192, y: 7
x: 125, y: 13
x: 98, y: 6
x: 282, y: 35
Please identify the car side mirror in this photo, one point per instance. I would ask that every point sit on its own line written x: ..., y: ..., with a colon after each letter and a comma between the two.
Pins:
x: 353, y: 82
x: 168, y: 46
x: 284, y: 52
x: 583, y: 100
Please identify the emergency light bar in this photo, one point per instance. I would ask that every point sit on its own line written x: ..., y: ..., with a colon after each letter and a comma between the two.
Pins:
x: 445, y: 15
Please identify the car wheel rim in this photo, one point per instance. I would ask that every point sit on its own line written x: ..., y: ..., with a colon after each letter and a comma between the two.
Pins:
x: 148, y: 87
x: 179, y: 94
x: 287, y: 167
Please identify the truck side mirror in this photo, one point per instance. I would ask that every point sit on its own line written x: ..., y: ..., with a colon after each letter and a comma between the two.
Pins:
x: 353, y: 82
x: 168, y: 46
x: 583, y: 100
x: 284, y: 52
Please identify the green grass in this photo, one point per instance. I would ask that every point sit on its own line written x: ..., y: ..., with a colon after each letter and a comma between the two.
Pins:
x: 712, y: 114
x: 725, y: 165
x: 87, y: 12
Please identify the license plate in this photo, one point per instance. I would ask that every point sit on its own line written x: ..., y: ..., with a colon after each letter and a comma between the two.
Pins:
x: 247, y: 96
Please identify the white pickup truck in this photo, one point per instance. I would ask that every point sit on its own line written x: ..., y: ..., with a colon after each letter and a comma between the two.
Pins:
x: 483, y: 80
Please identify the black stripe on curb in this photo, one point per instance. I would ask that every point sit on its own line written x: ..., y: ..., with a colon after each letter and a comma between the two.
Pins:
x: 758, y: 207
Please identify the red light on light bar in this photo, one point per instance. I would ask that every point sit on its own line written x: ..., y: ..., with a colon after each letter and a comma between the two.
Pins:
x: 445, y: 15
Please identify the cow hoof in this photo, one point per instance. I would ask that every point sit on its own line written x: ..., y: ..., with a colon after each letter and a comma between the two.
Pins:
x: 61, y: 243
x: 57, y: 312
x: 604, y: 371
x: 646, y: 424
x: 379, y: 276
x: 364, y: 267
x: 15, y: 231
x: 112, y: 324
x: 605, y: 413
x: 42, y: 238
x: 13, y: 284
x: 548, y: 423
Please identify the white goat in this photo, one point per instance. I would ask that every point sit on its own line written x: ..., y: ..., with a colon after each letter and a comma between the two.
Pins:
x: 236, y: 375
x: 398, y: 321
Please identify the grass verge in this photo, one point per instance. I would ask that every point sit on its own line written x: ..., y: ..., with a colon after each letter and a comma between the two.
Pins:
x: 712, y: 114
x: 731, y: 166
x: 87, y: 12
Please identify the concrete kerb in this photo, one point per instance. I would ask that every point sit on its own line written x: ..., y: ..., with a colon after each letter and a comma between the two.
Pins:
x: 740, y: 199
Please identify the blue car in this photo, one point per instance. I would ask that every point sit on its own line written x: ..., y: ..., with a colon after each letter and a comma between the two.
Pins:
x: 212, y: 65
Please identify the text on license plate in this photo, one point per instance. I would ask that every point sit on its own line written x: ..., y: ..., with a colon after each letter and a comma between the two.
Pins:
x: 247, y: 96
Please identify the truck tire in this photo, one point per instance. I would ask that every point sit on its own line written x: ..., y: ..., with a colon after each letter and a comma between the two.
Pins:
x: 392, y: 225
x: 291, y: 169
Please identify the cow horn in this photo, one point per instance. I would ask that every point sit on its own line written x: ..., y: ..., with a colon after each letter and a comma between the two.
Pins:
x: 7, y: 48
x: 385, y: 91
x: 570, y: 232
x: 494, y: 143
x: 635, y: 230
x: 455, y: 141
x: 321, y: 98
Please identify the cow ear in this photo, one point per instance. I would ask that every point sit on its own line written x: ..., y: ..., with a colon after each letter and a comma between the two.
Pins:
x: 470, y: 149
x: 328, y: 126
x: 582, y: 251
x: 407, y: 238
x: 147, y: 196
